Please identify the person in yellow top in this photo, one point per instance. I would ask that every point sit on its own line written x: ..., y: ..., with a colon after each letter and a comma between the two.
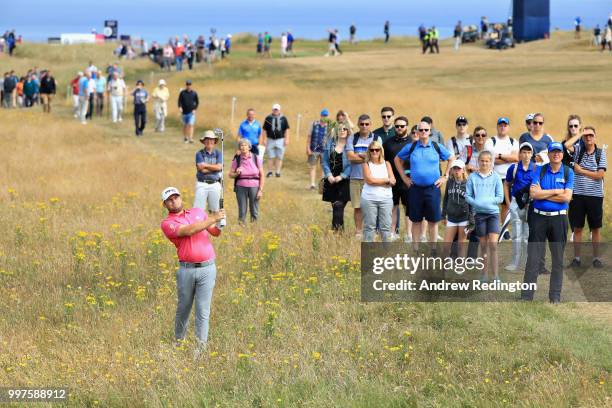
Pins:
x: 160, y: 106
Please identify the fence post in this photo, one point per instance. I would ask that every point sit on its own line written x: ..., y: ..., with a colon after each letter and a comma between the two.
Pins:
x: 152, y: 75
x: 299, y: 122
x: 234, y: 99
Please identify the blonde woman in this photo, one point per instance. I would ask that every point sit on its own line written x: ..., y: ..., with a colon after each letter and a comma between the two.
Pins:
x: 573, y: 135
x: 377, y: 196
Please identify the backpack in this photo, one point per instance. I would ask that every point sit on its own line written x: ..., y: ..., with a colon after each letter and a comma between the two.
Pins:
x: 583, y: 152
x: 494, y: 140
x: 543, y: 172
x: 413, y: 146
x: 456, y: 147
x: 237, y: 158
x: 355, y: 139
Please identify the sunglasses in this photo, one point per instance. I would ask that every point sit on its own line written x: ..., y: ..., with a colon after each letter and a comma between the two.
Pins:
x: 480, y: 135
x: 461, y: 124
x: 375, y: 150
x: 573, y: 126
x: 386, y: 116
x: 424, y: 130
x: 400, y: 126
x: 343, y: 129
x: 364, y: 124
x: 537, y: 123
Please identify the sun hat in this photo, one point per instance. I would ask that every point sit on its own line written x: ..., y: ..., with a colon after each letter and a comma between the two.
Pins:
x: 209, y: 134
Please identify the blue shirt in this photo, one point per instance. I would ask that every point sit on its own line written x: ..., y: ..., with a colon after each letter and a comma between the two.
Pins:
x: 538, y: 145
x: 250, y: 131
x: 83, y: 86
x: 484, y: 193
x: 317, y: 135
x: 523, y: 177
x: 552, y: 181
x: 424, y: 162
x: 360, y: 147
x: 100, y: 84
x: 215, y: 157
x: 140, y: 95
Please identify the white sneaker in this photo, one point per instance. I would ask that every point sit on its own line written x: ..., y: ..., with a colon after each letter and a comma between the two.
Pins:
x: 114, y: 120
x: 407, y: 238
x: 393, y: 237
x: 120, y: 119
x: 423, y: 238
x: 199, y: 350
x: 510, y: 268
x: 571, y: 237
x: 83, y: 122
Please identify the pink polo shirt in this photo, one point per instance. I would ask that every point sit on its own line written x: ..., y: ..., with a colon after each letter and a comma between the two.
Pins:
x: 250, y: 172
x: 196, y: 248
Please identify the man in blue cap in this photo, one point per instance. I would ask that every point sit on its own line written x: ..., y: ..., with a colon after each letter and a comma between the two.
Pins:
x: 551, y: 190
x: 314, y: 144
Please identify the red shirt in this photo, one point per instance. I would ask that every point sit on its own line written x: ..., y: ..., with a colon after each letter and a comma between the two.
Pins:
x: 196, y: 248
x: 75, y: 85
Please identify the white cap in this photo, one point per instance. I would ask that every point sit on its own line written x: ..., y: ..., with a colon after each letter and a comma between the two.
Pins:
x: 529, y: 117
x: 526, y: 144
x: 80, y: 73
x: 162, y: 82
x: 276, y: 106
x: 169, y: 191
x: 458, y: 163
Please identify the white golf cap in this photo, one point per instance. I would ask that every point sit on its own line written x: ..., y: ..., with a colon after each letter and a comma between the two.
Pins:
x: 527, y: 145
x: 162, y: 82
x: 169, y: 191
x: 276, y: 106
x: 529, y: 117
x: 458, y: 163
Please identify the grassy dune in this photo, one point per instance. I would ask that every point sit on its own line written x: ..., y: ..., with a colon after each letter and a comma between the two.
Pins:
x: 87, y: 294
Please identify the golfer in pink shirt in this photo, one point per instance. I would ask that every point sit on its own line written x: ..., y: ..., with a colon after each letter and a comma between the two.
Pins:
x: 189, y: 231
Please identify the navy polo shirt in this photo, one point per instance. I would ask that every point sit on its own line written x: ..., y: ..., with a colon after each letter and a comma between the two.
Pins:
x: 424, y: 162
x: 552, y: 181
x: 215, y: 157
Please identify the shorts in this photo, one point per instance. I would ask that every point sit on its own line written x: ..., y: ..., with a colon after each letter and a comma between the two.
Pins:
x: 355, y: 187
x: 400, y: 193
x: 276, y: 148
x: 189, y: 119
x: 424, y: 202
x: 583, y: 206
x: 486, y: 224
x: 450, y: 224
x: 314, y: 158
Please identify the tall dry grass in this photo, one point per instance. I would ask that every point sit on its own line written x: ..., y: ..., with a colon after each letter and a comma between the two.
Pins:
x: 87, y: 292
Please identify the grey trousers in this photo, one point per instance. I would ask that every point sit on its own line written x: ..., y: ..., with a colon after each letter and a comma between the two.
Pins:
x: 373, y: 212
x: 244, y: 196
x: 194, y: 284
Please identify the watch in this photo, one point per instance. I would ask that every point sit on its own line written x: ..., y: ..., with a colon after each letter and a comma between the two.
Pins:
x: 499, y: 156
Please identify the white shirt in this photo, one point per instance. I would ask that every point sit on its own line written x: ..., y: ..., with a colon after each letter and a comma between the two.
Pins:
x: 370, y: 192
x: 116, y: 87
x: 461, y: 144
x: 504, y: 146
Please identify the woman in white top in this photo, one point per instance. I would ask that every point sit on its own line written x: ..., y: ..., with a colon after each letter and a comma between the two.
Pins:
x: 377, y: 196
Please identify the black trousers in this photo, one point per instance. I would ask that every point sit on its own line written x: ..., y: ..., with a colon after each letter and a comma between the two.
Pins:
x: 543, y: 228
x: 90, y: 106
x: 140, y: 118
x: 338, y: 215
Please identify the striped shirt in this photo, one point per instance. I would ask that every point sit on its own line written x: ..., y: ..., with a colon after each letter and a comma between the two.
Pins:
x: 584, y: 185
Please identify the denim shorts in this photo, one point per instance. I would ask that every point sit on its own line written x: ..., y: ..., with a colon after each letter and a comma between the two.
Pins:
x: 189, y: 119
x: 486, y: 224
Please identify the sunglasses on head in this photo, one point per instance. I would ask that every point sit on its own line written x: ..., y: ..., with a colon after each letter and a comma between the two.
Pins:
x: 400, y: 126
x: 573, y: 126
x: 537, y: 123
x: 375, y: 150
x: 386, y: 116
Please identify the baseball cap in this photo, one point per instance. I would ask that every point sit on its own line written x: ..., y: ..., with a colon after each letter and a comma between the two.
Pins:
x: 188, y: 82
x: 458, y: 163
x: 162, y: 82
x: 526, y: 145
x: 529, y: 117
x: 324, y: 112
x: 276, y: 106
x: 555, y: 146
x: 461, y: 119
x: 209, y: 134
x: 503, y: 120
x: 169, y: 191
x: 80, y: 73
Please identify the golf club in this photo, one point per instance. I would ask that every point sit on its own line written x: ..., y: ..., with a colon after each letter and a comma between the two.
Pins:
x: 219, y: 133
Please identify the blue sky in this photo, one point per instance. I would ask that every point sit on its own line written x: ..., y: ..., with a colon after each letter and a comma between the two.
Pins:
x: 230, y: 15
